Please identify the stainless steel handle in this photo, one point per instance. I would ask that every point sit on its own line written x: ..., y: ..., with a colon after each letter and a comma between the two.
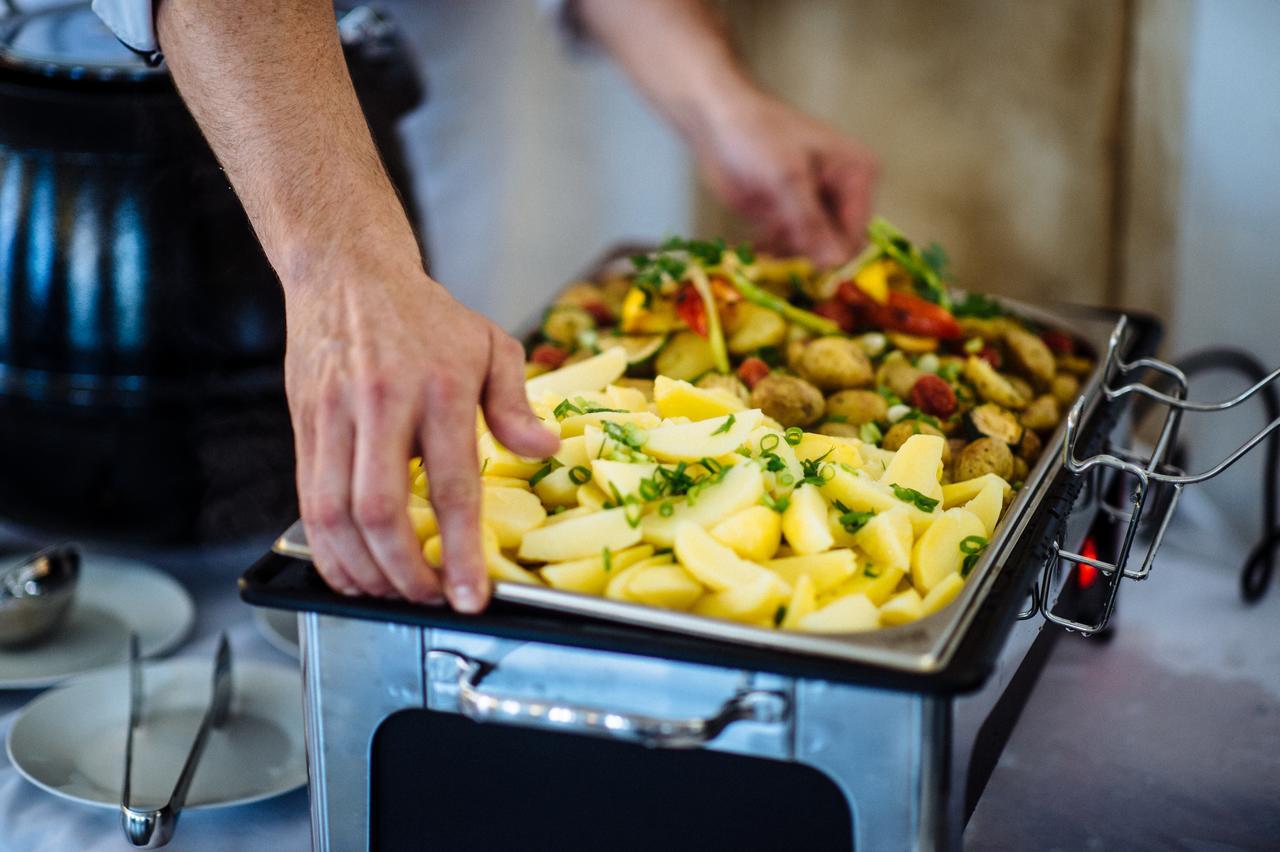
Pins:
x: 474, y: 702
x: 1147, y: 471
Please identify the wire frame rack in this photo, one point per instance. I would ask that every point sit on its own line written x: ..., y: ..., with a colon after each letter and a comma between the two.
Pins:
x: 1139, y: 487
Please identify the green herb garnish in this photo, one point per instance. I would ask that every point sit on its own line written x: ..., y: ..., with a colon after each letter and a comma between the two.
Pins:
x: 665, y: 509
x: 606, y: 556
x: 869, y: 433
x: 910, y: 495
x: 580, y: 475
x: 777, y: 504
x: 794, y: 435
x: 852, y: 521
x: 979, y: 306
x: 545, y: 471
x: 779, y: 614
x: 725, y: 426
x: 971, y: 546
x: 626, y: 434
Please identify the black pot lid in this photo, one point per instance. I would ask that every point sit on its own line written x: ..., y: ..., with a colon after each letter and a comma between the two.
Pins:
x: 66, y: 41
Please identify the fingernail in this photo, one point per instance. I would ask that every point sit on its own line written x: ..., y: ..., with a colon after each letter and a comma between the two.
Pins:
x: 467, y: 599
x: 350, y: 591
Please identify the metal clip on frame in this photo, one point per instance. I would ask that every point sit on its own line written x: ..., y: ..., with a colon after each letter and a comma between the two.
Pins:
x: 1148, y: 471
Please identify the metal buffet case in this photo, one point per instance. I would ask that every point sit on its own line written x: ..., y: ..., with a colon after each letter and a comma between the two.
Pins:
x: 607, y: 725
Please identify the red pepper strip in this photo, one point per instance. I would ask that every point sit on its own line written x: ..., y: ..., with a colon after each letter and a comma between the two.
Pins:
x: 691, y: 310
x: 752, y: 370
x: 903, y: 312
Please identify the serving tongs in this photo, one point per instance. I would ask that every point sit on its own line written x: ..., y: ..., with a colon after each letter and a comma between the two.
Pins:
x: 151, y: 829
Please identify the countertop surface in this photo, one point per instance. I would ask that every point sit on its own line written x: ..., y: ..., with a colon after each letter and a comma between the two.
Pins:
x: 1164, y: 737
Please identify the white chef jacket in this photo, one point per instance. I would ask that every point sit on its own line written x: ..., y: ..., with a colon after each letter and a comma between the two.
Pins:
x: 529, y: 160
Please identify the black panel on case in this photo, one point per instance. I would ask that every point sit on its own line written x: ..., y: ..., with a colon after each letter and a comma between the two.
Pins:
x: 443, y: 783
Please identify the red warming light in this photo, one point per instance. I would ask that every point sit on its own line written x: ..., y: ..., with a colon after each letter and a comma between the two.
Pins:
x: 1087, y: 574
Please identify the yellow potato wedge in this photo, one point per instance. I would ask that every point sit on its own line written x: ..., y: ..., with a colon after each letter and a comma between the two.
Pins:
x: 510, y: 513
x: 839, y: 450
x: 713, y: 438
x: 504, y: 482
x: 628, y: 399
x: 825, y: 571
x: 624, y: 477
x: 590, y: 575
x: 498, y: 566
x: 742, y: 486
x: 803, y: 601
x: 423, y: 520
x: 941, y: 595
x: 903, y: 608
x: 557, y: 488
x: 850, y: 614
x: 618, y: 580
x: 593, y: 374
x: 667, y: 586
x: 987, y: 505
x: 937, y: 554
x: 576, y: 424
x: 804, y: 523
x: 676, y: 398
x: 958, y: 493
x: 592, y: 496
x: 877, y: 582
x: 918, y: 465
x: 753, y: 533
x: 755, y: 601
x: 887, y: 538
x: 716, y: 566
x: 497, y: 460
x: 579, y: 537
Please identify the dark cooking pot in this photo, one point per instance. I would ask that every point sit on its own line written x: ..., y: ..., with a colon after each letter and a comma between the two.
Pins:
x: 141, y: 327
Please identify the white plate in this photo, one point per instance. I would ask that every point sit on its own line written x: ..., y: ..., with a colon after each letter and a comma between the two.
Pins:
x: 70, y: 741
x: 114, y: 596
x: 280, y: 628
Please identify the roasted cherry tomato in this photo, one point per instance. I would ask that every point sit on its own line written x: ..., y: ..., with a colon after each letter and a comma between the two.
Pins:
x: 599, y: 312
x: 932, y: 395
x: 838, y: 312
x: 548, y: 355
x: 991, y: 355
x: 1059, y: 342
x: 691, y: 310
x: 752, y: 370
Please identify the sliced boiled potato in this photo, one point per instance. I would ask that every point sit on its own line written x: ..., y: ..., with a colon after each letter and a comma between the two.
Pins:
x: 825, y: 571
x: 415, y: 500
x: 804, y: 523
x: 433, y: 551
x: 687, y: 355
x: 557, y: 489
x: 554, y: 518
x: 959, y: 493
x: 419, y: 485
x: 626, y: 398
x: 803, y: 601
x: 918, y: 465
x: 590, y: 375
x: 591, y: 574
x: 877, y: 582
x: 504, y: 482
x: 850, y: 614
x: 713, y: 438
x: 755, y: 601
x: 498, y: 566
x: 667, y: 586
x: 987, y: 505
x: 942, y: 594
x: 887, y: 538
x: 497, y: 460
x: 423, y: 519
x: 742, y: 486
x: 903, y: 608
x: 624, y: 477
x: 841, y: 536
x: 618, y: 580
x: 767, y: 439
x: 676, y: 398
x: 580, y: 537
x: 839, y: 450
x: 576, y: 424
x: 592, y: 496
x: 858, y: 492
x: 573, y: 452
x: 510, y: 513
x: 716, y: 566
x: 753, y: 533
x: 937, y: 554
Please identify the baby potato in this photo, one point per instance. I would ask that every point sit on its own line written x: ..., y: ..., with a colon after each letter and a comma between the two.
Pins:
x: 1041, y: 414
x: 1028, y: 449
x: 857, y: 406
x: 1030, y: 356
x: 985, y: 455
x: 751, y: 327
x: 564, y: 323
x: 897, y: 374
x: 835, y: 363
x: 838, y: 430
x: 787, y: 399
x: 730, y: 384
x: 1065, y: 388
x: 902, y: 430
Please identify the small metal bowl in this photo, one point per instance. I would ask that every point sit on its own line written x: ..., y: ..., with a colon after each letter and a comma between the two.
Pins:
x: 36, y: 595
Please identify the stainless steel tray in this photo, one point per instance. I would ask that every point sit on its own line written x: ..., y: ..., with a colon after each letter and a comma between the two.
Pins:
x: 924, y: 646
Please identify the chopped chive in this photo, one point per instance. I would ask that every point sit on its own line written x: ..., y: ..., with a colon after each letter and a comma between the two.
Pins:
x: 910, y: 495
x: 580, y: 475
x: 725, y: 426
x: 606, y: 556
x: 544, y: 471
x: 794, y: 435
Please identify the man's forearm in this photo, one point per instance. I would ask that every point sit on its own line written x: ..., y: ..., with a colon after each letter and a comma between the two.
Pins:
x: 268, y: 84
x: 677, y: 52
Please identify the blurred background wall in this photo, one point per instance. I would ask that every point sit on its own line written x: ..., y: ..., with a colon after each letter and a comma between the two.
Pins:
x: 1121, y: 153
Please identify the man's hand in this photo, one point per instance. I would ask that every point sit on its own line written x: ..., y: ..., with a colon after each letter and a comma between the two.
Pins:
x: 806, y: 187
x: 380, y: 363
x: 381, y: 360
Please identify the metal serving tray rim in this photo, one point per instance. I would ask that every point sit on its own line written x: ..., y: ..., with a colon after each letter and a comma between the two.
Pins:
x: 925, y: 646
